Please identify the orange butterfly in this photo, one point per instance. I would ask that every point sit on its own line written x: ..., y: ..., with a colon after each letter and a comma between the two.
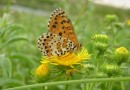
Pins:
x: 61, y: 37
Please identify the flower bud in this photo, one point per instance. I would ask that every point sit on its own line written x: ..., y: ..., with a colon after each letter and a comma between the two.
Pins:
x: 111, y: 18
x: 90, y: 66
x: 42, y: 71
x: 101, y: 38
x: 100, y: 75
x: 121, y: 55
x: 111, y: 69
x: 119, y: 25
x: 101, y: 46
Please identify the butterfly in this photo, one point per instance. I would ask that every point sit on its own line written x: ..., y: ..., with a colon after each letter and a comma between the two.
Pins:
x: 61, y: 37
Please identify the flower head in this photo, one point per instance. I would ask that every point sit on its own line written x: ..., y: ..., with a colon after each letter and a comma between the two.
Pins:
x: 121, y: 54
x: 68, y: 59
x: 122, y: 51
x: 128, y: 22
x: 42, y: 71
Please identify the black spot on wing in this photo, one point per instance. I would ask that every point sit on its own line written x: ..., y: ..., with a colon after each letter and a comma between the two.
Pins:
x: 44, y: 39
x: 55, y: 22
x: 54, y: 26
x: 60, y: 33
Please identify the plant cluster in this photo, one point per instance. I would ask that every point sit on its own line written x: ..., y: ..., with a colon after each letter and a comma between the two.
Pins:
x: 105, y: 61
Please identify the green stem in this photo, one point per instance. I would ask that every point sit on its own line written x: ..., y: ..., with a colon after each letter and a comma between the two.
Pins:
x: 122, y: 86
x: 66, y: 87
x: 99, y: 59
x: 43, y: 88
x: 109, y: 86
x: 83, y: 86
x: 116, y: 79
x: 92, y: 86
x: 87, y: 86
x: 7, y: 10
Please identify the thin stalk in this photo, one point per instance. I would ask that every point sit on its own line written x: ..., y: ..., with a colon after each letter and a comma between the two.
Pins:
x: 116, y: 79
x: 84, y: 6
x: 7, y: 10
x: 87, y: 86
x: 109, y: 86
x: 66, y: 87
x: 83, y: 86
x: 92, y: 86
x: 122, y: 85
x: 99, y: 59
x: 43, y: 88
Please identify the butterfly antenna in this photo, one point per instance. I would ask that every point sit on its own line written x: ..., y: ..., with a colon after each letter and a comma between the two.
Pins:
x: 82, y: 12
x: 82, y: 41
x: 82, y: 35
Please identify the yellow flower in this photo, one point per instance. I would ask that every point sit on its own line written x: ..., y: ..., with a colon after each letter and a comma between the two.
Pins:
x: 121, y: 54
x: 68, y: 59
x: 122, y: 51
x: 42, y: 71
x: 128, y: 22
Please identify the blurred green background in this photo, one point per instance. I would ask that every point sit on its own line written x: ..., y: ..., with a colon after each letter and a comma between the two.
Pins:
x: 29, y: 20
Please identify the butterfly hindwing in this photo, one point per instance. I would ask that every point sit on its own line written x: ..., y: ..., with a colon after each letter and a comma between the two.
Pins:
x: 53, y: 44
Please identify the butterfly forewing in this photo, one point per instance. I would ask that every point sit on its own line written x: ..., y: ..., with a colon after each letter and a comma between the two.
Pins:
x: 60, y: 24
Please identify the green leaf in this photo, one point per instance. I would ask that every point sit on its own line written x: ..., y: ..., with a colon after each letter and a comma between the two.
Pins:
x: 24, y: 58
x: 10, y: 82
x: 12, y: 40
x: 5, y: 32
x: 6, y: 66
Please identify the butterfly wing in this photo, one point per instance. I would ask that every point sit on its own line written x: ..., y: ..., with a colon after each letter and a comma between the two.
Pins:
x: 60, y: 24
x: 52, y: 44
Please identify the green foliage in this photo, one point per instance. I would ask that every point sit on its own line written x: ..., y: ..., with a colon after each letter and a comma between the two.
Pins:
x: 106, y: 62
x: 19, y: 53
x: 9, y: 66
